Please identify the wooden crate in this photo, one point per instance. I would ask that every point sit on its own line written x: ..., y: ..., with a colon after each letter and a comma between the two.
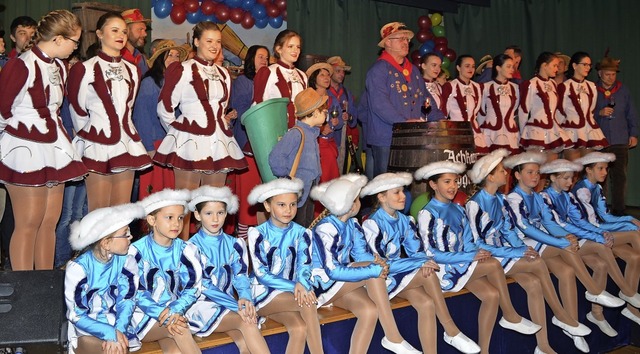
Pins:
x: 89, y: 13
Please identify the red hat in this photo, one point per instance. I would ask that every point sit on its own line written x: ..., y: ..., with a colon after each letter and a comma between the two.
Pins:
x: 134, y: 15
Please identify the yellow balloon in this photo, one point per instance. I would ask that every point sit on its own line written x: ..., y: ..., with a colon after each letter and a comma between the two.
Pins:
x: 436, y: 19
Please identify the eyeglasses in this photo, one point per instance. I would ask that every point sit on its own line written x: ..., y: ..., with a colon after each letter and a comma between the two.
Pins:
x: 588, y: 65
x: 76, y: 43
x: 402, y: 39
x: 126, y: 235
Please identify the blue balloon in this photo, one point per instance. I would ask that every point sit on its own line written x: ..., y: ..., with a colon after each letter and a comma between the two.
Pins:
x: 259, y: 12
x: 247, y: 5
x: 276, y: 22
x: 153, y: 3
x: 262, y: 23
x: 162, y: 8
x: 430, y: 44
x: 234, y: 3
x: 211, y: 18
x: 195, y: 17
x: 425, y: 49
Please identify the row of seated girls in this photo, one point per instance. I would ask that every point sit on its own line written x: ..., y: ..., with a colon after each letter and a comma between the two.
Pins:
x: 164, y: 289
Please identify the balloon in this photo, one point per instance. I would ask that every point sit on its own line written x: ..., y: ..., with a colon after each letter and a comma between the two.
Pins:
x: 178, y: 14
x: 451, y: 54
x: 407, y: 201
x: 162, y: 8
x: 460, y: 198
x: 281, y: 4
x: 176, y: 2
x: 195, y: 17
x: 263, y: 2
x: 415, y: 55
x: 440, y: 48
x: 191, y: 5
x: 284, y: 15
x: 438, y: 31
x: 208, y: 7
x: 425, y: 49
x: 446, y: 72
x: 424, y: 22
x: 418, y: 204
x: 423, y: 36
x: 275, y: 22
x: 222, y: 13
x: 445, y: 63
x: 441, y: 40
x: 236, y: 15
x: 247, y: 21
x: 272, y: 10
x: 416, y: 61
x: 430, y: 44
x: 247, y: 5
x: 153, y: 3
x: 211, y: 18
x: 262, y: 23
x: 259, y: 12
x: 233, y: 3
x: 436, y: 19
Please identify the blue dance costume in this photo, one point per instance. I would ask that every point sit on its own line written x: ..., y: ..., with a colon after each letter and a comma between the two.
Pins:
x: 101, y: 298
x: 493, y: 229
x: 446, y: 235
x: 388, y: 236
x: 534, y: 219
x: 170, y: 277
x: 224, y: 263
x: 335, y: 244
x: 592, y: 199
x: 281, y: 257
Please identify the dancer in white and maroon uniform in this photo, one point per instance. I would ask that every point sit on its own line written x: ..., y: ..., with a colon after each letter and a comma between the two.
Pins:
x: 430, y: 67
x: 36, y: 155
x: 282, y: 79
x: 101, y: 94
x: 460, y: 99
x: 199, y: 144
x: 577, y: 102
x: 498, y: 107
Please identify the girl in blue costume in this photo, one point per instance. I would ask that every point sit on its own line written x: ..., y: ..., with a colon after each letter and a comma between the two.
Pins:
x: 595, y: 243
x: 358, y: 287
x: 224, y: 261
x: 494, y: 231
x: 100, y: 285
x: 446, y: 236
x: 557, y: 247
x: 388, y: 233
x: 170, y: 274
x: 624, y: 229
x: 281, y: 259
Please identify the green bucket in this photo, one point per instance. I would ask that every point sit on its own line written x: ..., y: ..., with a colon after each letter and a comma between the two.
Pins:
x: 266, y: 123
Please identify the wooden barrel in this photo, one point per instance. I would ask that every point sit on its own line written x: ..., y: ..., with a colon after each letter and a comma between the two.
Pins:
x: 416, y: 144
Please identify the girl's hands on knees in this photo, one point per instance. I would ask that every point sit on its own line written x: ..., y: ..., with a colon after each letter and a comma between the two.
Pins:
x: 109, y: 347
x: 573, y: 243
x: 608, y: 239
x: 247, y: 311
x: 530, y: 254
x: 637, y: 223
x: 299, y: 293
x: 429, y: 267
x: 122, y: 339
x: 482, y: 255
x: 177, y: 324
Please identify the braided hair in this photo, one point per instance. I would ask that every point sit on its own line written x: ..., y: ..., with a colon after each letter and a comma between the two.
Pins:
x: 55, y: 23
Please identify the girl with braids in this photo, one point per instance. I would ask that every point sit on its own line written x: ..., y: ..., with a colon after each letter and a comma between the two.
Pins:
x: 145, y: 116
x: 36, y: 155
x: 446, y: 236
x: 199, y: 144
x: 101, y: 93
x: 576, y: 104
x: 558, y: 247
x: 498, y: 107
x: 356, y: 286
x: 493, y: 230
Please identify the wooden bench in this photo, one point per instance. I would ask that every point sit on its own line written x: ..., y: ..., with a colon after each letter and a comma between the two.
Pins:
x: 329, y: 314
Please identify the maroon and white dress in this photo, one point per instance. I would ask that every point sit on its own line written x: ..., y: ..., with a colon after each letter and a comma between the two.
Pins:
x: 101, y: 93
x: 199, y: 139
x: 279, y: 80
x: 539, y: 128
x: 435, y: 90
x: 575, y: 114
x: 497, y: 116
x: 35, y: 150
x: 461, y: 102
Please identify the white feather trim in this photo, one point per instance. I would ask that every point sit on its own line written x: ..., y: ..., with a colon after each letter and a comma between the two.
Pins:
x: 440, y: 167
x: 102, y: 222
x: 165, y: 197
x: 264, y: 191
x: 560, y: 165
x: 386, y: 181
x: 214, y: 194
x: 523, y: 158
x: 486, y: 164
x: 595, y: 157
x: 339, y: 194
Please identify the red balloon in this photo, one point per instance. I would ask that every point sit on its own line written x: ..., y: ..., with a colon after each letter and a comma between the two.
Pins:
x: 284, y: 15
x: 178, y: 14
x: 281, y: 4
x: 416, y: 62
x: 441, y: 48
x: 222, y: 13
x: 424, y: 22
x: 208, y: 7
x: 429, y: 35
x: 263, y: 2
x: 236, y: 15
x: 177, y: 2
x: 272, y: 10
x: 460, y: 198
x: 191, y: 5
x: 451, y: 54
x: 415, y: 55
x: 441, y: 40
x: 247, y: 20
x: 423, y: 36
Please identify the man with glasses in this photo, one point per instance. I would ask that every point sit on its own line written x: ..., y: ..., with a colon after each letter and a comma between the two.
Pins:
x: 395, y: 92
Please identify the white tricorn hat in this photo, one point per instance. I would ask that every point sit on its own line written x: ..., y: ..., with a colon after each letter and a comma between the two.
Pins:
x: 278, y: 186
x: 486, y: 164
x: 440, y: 167
x: 166, y: 197
x: 560, y: 165
x: 339, y: 194
x: 214, y: 194
x: 525, y: 157
x: 595, y: 157
x: 102, y: 222
x: 386, y: 181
